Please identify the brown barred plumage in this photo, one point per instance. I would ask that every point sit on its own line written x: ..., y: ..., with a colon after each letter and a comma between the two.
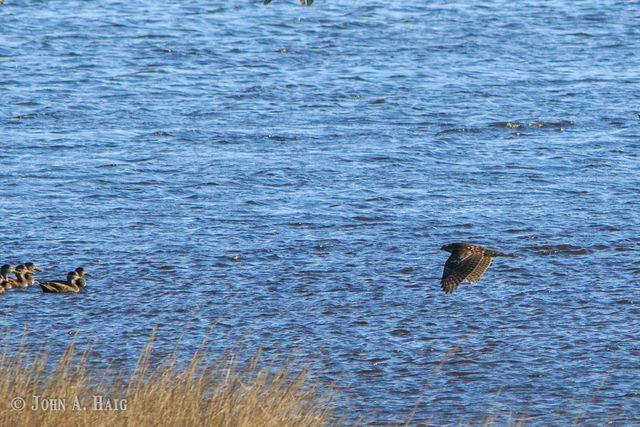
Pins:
x: 466, y: 263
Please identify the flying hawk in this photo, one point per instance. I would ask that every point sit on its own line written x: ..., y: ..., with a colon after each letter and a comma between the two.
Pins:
x: 466, y: 263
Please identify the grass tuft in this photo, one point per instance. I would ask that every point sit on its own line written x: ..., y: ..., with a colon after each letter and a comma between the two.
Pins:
x: 221, y: 393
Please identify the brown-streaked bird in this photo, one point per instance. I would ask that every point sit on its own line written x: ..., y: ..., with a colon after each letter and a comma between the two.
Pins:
x: 32, y: 268
x: 75, y: 281
x: 5, y: 271
x: 466, y: 263
x: 24, y: 275
x: 58, y: 286
x: 20, y: 281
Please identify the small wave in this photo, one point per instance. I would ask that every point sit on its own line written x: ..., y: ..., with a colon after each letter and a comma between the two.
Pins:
x: 460, y: 374
x: 366, y: 218
x: 557, y: 249
x: 374, y: 371
x: 562, y: 123
x: 374, y: 361
x: 457, y: 130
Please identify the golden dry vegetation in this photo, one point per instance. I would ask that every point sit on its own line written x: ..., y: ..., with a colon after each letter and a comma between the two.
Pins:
x: 200, y: 393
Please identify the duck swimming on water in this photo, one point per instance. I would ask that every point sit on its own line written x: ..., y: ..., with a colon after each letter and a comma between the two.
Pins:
x: 5, y: 271
x: 32, y: 269
x: 57, y: 286
x: 74, y: 282
x: 20, y: 281
x: 24, y: 275
x: 80, y: 281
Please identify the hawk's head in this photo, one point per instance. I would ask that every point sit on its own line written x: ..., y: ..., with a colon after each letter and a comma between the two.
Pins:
x: 449, y: 247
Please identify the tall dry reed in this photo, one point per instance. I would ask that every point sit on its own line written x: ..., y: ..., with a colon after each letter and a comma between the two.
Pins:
x: 202, y: 393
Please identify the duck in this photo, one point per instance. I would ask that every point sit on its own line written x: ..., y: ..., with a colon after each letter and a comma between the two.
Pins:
x: 24, y: 275
x: 75, y: 281
x: 5, y: 271
x: 57, y: 286
x: 19, y: 281
x: 31, y: 269
x: 80, y: 281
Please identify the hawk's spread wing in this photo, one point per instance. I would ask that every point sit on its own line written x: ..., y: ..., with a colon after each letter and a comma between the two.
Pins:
x: 460, y: 266
x: 481, y: 267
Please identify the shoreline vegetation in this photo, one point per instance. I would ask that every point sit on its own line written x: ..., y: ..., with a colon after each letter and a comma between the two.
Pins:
x: 220, y: 393
x: 204, y: 391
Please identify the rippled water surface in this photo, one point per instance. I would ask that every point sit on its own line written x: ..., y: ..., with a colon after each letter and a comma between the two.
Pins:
x: 289, y: 173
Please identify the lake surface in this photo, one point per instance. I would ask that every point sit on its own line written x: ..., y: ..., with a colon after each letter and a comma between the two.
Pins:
x: 289, y: 173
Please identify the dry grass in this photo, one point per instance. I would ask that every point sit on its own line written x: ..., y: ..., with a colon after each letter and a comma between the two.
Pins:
x: 166, y: 394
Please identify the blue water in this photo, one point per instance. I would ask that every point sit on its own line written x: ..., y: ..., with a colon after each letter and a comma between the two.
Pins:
x: 289, y: 173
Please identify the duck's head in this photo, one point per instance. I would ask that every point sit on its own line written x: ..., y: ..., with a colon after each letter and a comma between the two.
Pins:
x: 21, y: 269
x: 6, y: 270
x: 82, y: 272
x: 31, y: 267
